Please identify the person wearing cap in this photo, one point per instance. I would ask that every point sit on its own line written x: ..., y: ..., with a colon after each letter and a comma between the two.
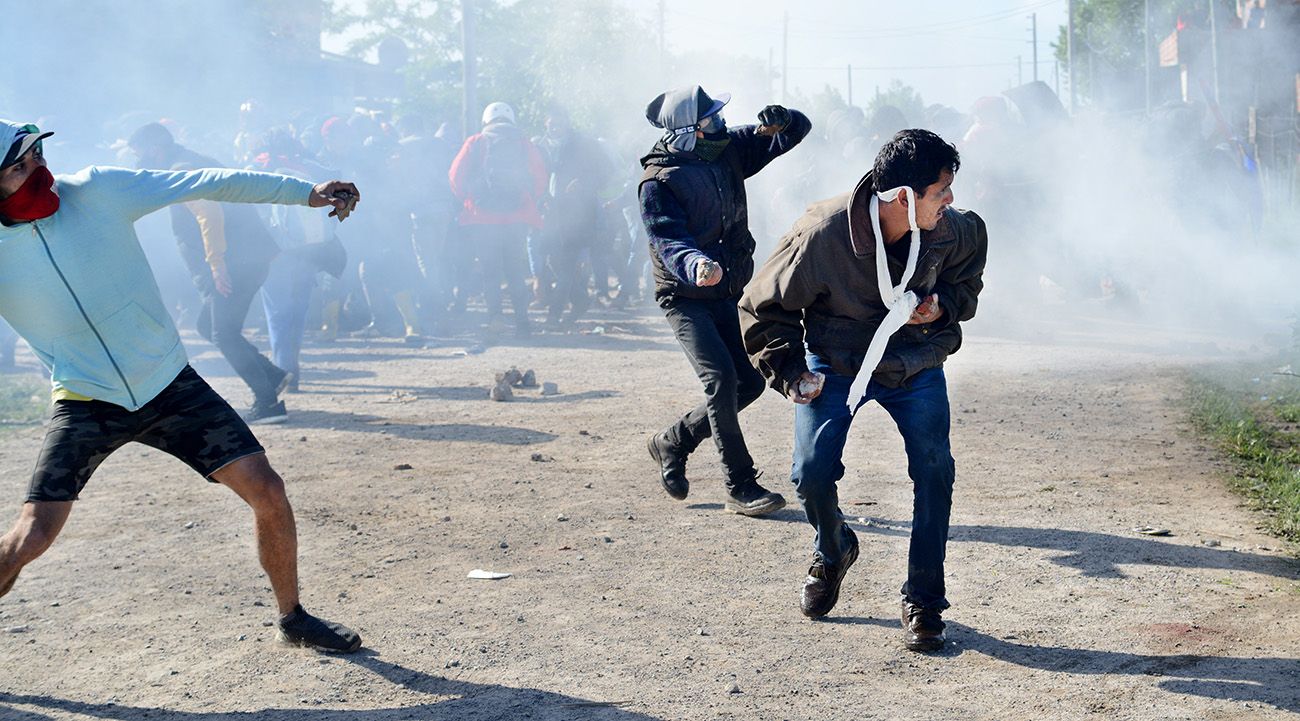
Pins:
x: 75, y: 284
x: 228, y: 250
x: 863, y: 300
x: 499, y: 176
x: 693, y: 205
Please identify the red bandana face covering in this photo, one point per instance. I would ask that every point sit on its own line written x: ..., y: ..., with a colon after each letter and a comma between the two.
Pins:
x: 35, y: 200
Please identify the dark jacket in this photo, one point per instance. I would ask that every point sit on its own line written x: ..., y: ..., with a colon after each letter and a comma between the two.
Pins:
x: 694, y: 209
x: 249, y: 244
x: 819, y: 288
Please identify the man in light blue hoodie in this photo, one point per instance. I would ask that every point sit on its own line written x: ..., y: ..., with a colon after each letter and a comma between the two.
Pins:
x: 75, y: 284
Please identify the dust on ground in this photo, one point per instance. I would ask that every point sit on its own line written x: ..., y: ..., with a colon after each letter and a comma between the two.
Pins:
x: 626, y: 605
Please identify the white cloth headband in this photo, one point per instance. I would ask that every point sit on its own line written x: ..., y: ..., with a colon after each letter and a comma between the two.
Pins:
x: 900, y: 301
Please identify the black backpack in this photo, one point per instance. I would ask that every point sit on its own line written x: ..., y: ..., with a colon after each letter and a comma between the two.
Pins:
x: 504, y: 181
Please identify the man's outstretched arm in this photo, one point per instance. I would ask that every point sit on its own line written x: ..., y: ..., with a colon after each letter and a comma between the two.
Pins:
x: 140, y: 192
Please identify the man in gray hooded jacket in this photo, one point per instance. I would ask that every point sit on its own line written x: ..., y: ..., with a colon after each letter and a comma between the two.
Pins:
x: 694, y: 208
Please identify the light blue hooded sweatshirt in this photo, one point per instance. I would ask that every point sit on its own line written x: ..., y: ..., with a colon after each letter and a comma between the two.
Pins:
x: 77, y: 287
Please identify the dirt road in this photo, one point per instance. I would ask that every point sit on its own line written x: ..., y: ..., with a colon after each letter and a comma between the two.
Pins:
x: 625, y: 605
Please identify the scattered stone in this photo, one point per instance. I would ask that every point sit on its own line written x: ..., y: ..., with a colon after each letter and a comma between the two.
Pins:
x: 54, y: 604
x: 403, y: 467
x: 503, y: 544
x: 446, y: 519
x: 561, y: 518
x: 550, y: 389
x: 17, y: 629
x: 529, y: 380
x: 268, y: 623
x: 242, y: 637
x: 584, y: 433
x: 1152, y: 531
x: 302, y: 439
x: 512, y: 377
x: 501, y: 392
x: 188, y: 525
x: 1210, y: 542
x: 735, y: 688
x: 606, y: 539
x: 701, y: 631
x: 539, y: 458
x: 451, y: 664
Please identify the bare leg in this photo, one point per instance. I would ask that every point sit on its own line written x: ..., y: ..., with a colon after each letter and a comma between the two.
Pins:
x: 36, y: 528
x: 277, y: 537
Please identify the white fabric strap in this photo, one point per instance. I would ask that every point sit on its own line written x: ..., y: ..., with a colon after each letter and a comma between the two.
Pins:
x: 900, y: 301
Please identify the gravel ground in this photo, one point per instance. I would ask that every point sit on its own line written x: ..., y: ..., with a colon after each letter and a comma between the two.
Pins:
x: 625, y: 604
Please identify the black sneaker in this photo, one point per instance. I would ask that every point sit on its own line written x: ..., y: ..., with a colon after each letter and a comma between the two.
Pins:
x: 751, y: 499
x: 265, y: 414
x: 672, y: 465
x: 821, y: 589
x: 303, y: 629
x: 922, y: 628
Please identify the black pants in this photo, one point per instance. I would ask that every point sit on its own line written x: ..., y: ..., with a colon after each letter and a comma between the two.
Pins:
x: 221, y: 323
x: 709, y: 332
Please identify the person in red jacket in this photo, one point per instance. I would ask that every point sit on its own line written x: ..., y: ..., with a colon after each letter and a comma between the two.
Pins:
x: 498, y: 176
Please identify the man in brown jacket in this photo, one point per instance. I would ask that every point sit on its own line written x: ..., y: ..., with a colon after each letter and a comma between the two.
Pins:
x: 853, y: 307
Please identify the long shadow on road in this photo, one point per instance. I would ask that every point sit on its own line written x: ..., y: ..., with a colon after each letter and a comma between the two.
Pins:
x: 457, y: 432
x: 1269, y: 680
x: 468, y: 702
x: 1093, y: 554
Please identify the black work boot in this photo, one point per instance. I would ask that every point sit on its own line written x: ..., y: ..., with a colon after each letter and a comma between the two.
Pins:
x: 672, y: 465
x: 922, y: 627
x: 821, y: 589
x: 751, y: 499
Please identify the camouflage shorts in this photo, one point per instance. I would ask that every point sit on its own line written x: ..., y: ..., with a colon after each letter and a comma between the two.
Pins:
x: 188, y: 420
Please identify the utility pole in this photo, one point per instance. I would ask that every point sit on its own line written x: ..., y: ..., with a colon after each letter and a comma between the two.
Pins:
x: 1069, y: 56
x: 663, y: 51
x: 1146, y: 52
x: 850, y: 85
x: 1033, y: 31
x: 771, y: 69
x: 1214, y: 50
x: 785, y: 58
x: 1020, y: 70
x: 469, y: 70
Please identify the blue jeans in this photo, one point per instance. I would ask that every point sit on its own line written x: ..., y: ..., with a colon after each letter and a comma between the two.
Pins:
x: 920, y: 408
x: 286, y: 295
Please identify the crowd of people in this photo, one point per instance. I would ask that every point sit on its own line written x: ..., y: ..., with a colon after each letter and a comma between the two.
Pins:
x: 862, y: 299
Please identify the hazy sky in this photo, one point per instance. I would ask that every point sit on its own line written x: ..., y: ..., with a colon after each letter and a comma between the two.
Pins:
x: 952, y: 51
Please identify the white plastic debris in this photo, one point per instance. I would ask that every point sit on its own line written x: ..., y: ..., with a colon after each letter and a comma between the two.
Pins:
x: 481, y: 575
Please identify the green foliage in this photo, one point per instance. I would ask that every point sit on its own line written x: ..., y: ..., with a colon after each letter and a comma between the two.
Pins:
x: 1109, y: 45
x: 531, y: 53
x: 901, y: 96
x: 23, y: 400
x: 1248, y: 415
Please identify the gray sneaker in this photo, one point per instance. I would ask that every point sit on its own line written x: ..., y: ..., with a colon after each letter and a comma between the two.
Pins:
x: 265, y: 414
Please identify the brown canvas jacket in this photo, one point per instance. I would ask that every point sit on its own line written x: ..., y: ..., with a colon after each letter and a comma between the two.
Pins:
x: 819, y: 288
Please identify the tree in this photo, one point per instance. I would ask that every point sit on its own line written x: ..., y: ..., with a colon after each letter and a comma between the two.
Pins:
x: 901, y: 96
x: 1109, y: 45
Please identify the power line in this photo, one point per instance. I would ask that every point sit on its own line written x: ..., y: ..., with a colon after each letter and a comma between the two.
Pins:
x: 916, y: 67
